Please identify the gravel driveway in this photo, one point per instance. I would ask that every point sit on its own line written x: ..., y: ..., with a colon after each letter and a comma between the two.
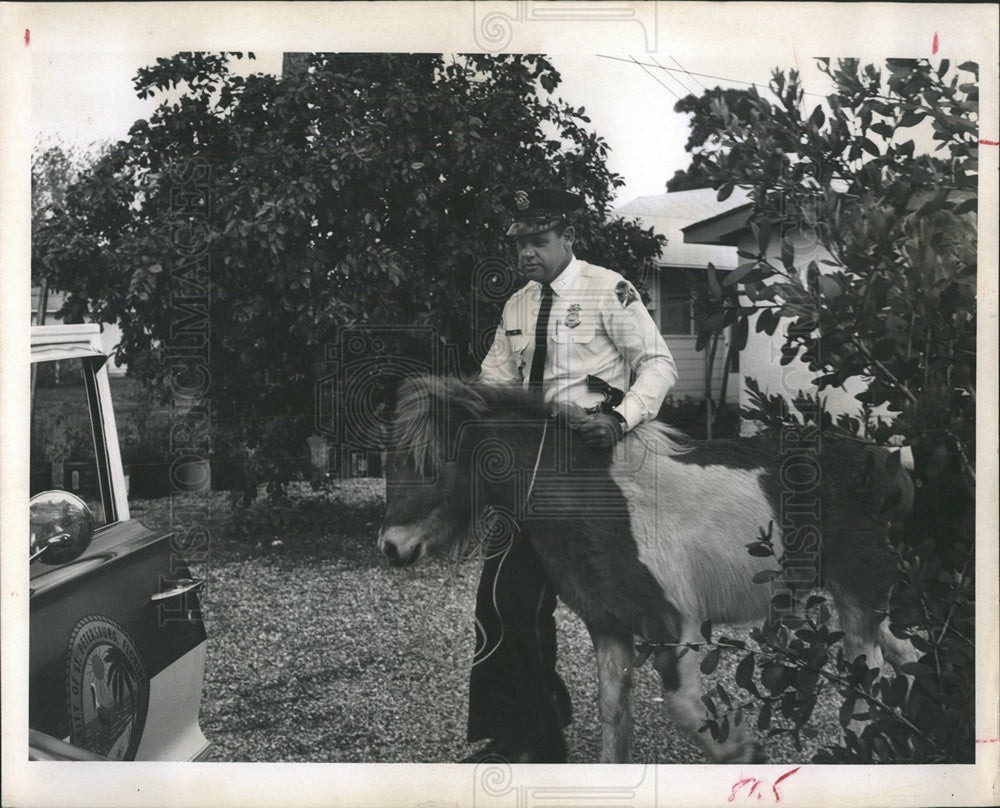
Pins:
x: 319, y: 651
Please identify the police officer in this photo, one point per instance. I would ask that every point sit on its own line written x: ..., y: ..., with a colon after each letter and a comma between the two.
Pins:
x: 578, y: 333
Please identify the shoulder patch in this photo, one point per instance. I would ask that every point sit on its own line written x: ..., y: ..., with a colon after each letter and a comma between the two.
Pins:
x: 625, y: 293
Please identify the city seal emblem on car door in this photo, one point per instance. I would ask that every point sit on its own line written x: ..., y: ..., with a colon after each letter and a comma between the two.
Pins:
x: 108, y: 689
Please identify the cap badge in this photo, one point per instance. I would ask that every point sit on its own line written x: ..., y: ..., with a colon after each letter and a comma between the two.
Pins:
x: 521, y: 200
x: 572, y: 319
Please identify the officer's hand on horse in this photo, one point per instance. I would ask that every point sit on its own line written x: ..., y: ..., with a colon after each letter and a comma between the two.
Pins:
x: 601, y: 430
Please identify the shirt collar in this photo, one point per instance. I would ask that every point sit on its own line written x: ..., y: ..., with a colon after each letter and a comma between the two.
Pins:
x: 567, y: 277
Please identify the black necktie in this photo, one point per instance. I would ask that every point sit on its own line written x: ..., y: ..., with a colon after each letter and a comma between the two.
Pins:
x: 541, y: 339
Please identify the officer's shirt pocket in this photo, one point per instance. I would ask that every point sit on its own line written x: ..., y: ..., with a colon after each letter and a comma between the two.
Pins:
x: 575, y: 346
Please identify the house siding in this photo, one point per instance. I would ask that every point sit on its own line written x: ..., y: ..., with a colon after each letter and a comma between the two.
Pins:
x: 690, y: 362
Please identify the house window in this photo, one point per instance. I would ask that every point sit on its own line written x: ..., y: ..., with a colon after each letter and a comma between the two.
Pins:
x: 675, y: 304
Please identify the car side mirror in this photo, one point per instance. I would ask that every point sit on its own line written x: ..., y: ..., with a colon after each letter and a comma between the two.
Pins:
x: 62, y: 526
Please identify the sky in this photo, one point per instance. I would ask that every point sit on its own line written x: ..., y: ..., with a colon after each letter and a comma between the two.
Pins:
x: 82, y: 98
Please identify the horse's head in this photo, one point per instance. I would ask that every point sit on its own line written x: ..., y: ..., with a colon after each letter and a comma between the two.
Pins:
x: 428, y: 503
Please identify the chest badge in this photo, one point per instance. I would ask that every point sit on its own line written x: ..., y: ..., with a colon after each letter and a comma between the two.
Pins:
x: 572, y: 319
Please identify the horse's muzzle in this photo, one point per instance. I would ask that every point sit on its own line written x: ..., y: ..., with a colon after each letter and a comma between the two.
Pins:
x: 392, y: 552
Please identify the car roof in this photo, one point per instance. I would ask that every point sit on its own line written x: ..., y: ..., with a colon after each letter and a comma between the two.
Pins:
x: 50, y: 342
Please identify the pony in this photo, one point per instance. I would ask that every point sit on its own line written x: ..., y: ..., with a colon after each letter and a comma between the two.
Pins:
x: 647, y: 540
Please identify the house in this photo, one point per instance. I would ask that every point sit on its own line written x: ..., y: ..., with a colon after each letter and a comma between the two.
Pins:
x: 671, y: 303
x: 761, y: 358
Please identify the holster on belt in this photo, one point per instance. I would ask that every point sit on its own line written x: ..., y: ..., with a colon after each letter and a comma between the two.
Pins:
x: 612, y: 395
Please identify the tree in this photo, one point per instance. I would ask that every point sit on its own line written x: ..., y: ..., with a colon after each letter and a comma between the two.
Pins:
x: 704, y: 139
x: 896, y: 306
x: 355, y: 189
x: 54, y: 168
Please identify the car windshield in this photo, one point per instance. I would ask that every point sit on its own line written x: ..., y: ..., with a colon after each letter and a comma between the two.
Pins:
x: 63, y: 455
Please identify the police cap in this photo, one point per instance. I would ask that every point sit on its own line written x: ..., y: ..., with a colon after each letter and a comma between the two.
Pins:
x: 539, y: 210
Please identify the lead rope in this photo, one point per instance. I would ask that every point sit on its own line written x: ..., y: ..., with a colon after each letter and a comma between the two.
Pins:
x: 538, y: 458
x: 531, y: 486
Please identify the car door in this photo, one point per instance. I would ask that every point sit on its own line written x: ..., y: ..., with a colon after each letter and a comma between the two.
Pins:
x: 117, y: 642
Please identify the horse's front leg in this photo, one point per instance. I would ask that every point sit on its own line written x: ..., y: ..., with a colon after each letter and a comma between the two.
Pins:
x: 614, y: 674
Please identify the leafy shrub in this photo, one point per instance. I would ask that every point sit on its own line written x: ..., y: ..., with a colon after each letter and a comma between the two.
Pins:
x: 893, y: 303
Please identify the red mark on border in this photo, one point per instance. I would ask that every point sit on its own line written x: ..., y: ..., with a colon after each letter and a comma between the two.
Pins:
x: 989, y: 142
x: 987, y: 740
x: 754, y: 782
x: 934, y: 45
x: 774, y: 788
x: 27, y: 37
x: 745, y: 781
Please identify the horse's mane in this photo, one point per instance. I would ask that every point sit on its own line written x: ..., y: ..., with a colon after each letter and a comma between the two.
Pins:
x: 424, y: 402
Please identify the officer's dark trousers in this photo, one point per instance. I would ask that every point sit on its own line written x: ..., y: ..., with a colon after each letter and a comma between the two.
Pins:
x: 515, y: 693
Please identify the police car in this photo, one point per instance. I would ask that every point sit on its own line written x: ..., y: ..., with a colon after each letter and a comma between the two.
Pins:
x: 117, y: 642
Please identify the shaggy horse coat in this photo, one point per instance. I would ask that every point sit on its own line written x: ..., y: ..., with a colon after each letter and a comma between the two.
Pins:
x: 647, y: 540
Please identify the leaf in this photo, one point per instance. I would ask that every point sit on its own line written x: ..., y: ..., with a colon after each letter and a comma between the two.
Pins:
x: 744, y: 673
x: 725, y: 191
x: 706, y: 630
x: 966, y: 206
x: 763, y: 235
x: 723, y: 695
x: 845, y: 712
x: 787, y: 253
x: 772, y: 677
x: 917, y: 669
x: 710, y: 661
x: 724, y: 729
x: 818, y: 117
x: 765, y: 576
x: 869, y: 147
x: 829, y: 286
x: 911, y: 118
x: 713, y: 282
x: 738, y: 274
x: 741, y: 333
x: 764, y: 716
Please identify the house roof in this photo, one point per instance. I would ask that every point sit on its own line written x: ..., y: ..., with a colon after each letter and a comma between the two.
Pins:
x: 723, y: 228
x: 669, y: 213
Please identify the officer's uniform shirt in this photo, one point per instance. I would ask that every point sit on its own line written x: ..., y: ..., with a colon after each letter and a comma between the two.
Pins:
x: 598, y: 326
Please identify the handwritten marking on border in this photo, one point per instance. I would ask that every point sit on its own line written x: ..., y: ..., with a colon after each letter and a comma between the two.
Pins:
x: 755, y: 782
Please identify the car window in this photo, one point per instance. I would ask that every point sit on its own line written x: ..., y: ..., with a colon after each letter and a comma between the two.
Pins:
x: 62, y: 434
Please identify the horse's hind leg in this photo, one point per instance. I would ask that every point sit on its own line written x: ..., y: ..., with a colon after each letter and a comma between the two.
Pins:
x: 863, y: 629
x: 614, y: 676
x: 897, y: 651
x: 682, y: 690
